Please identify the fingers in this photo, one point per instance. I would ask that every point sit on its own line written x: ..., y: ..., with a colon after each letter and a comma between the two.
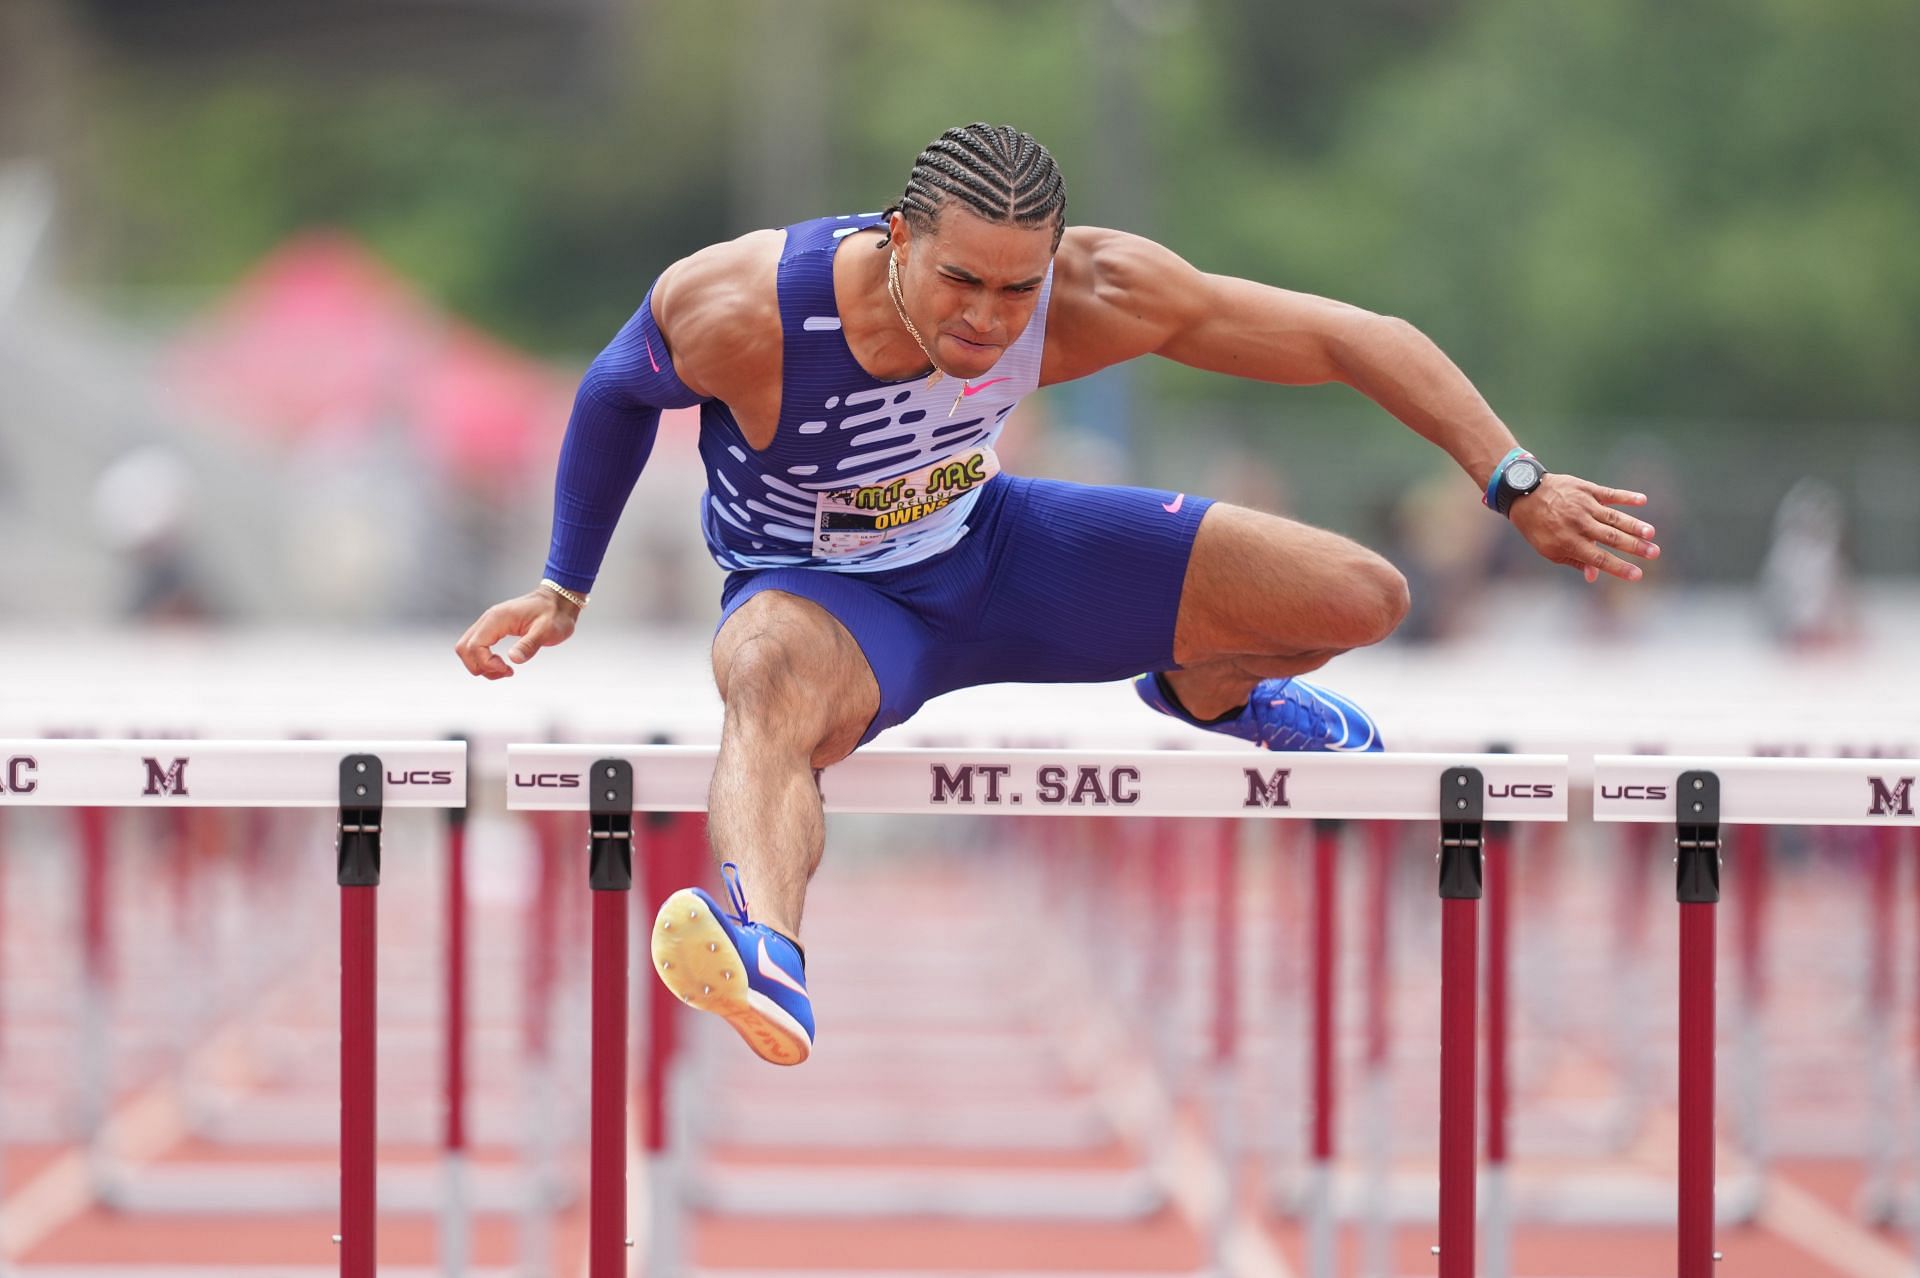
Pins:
x: 1599, y: 561
x: 1626, y: 523
x: 1622, y: 533
x: 475, y: 647
x: 1611, y: 530
x: 1613, y: 496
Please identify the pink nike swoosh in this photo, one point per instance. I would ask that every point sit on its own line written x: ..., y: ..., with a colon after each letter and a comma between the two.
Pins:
x: 650, y: 359
x: 968, y: 391
x: 1173, y: 507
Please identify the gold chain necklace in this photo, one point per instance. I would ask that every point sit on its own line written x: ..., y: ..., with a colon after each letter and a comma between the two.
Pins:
x: 900, y: 309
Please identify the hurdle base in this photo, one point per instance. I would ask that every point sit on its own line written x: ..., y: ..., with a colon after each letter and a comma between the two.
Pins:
x: 239, y: 1189
x: 1584, y: 1198
x: 1073, y: 1124
x: 281, y: 1121
x: 944, y: 1193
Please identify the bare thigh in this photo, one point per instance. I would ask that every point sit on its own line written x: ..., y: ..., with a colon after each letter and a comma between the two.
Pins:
x: 1258, y: 585
x: 792, y: 676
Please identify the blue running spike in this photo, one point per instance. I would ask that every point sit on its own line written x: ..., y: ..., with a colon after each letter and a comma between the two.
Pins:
x: 744, y: 972
x: 1283, y: 714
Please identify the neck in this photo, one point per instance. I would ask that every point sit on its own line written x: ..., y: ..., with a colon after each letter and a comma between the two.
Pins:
x: 879, y: 341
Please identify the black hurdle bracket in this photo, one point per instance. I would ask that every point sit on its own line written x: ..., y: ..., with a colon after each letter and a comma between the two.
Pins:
x: 362, y: 803
x: 1697, y: 838
x: 610, y: 836
x: 1462, y: 827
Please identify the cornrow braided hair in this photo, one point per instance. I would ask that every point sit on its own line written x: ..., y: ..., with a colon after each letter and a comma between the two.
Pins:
x: 995, y: 170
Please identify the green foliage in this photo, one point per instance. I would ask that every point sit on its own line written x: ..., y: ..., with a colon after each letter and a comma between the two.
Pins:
x: 1631, y: 207
x: 1628, y: 208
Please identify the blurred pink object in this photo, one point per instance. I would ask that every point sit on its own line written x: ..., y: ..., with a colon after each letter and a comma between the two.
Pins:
x: 322, y: 342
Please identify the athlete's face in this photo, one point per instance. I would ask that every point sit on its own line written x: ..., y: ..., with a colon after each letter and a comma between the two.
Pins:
x: 971, y: 285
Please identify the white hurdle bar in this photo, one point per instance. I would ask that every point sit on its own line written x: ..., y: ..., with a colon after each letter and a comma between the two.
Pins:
x: 1187, y: 783
x: 1697, y: 796
x: 360, y: 780
x: 1461, y: 792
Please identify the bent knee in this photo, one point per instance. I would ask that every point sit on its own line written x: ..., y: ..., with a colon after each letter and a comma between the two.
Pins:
x: 1373, y: 602
x: 776, y: 688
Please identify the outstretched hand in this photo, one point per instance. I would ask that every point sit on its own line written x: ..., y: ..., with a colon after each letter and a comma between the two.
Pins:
x: 1573, y: 522
x: 537, y: 619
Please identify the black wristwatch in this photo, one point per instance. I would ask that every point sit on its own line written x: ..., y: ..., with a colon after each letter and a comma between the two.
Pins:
x: 1517, y: 478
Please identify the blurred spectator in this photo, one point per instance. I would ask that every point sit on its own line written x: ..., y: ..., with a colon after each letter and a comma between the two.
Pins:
x: 1806, y: 583
x: 140, y: 506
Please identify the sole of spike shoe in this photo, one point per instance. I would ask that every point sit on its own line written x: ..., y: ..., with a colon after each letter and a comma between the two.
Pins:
x: 697, y: 961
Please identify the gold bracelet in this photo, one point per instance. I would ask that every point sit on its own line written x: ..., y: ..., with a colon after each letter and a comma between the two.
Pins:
x: 573, y: 597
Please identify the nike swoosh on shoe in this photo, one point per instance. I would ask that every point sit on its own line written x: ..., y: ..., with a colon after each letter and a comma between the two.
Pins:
x: 777, y: 974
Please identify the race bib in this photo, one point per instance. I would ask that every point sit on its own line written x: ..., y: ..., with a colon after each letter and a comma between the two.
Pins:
x: 849, y: 520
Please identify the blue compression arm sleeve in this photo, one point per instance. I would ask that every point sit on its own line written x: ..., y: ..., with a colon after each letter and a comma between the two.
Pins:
x: 616, y: 416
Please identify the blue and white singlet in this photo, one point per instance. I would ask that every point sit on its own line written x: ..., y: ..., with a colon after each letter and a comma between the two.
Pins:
x: 862, y: 475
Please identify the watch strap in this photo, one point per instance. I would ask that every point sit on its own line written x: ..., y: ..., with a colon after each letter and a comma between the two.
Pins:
x: 1493, y: 480
x: 1501, y: 491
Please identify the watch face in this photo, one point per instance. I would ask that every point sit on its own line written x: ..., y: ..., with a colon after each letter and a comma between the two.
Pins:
x: 1523, y: 474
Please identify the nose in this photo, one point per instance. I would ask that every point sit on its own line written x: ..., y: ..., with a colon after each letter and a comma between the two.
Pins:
x: 978, y: 316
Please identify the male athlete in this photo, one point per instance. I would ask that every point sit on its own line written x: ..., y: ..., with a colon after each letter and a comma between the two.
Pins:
x: 853, y: 374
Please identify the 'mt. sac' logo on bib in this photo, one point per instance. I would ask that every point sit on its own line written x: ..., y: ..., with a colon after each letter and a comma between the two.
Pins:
x: 848, y: 520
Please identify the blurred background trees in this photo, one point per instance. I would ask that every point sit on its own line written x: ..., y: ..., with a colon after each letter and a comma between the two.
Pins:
x: 1665, y: 239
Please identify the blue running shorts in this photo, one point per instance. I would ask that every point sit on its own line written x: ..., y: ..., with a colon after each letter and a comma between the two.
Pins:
x: 1053, y: 583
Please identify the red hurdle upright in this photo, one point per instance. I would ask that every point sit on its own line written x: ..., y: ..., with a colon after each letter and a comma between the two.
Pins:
x: 1880, y: 1194
x: 96, y: 947
x: 610, y: 875
x: 454, y: 1214
x: 361, y: 807
x: 1226, y: 1024
x: 1326, y: 893
x: 1462, y: 804
x: 1697, y: 886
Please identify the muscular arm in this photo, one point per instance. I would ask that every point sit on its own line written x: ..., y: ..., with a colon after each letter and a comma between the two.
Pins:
x: 1117, y: 296
x: 692, y: 339
x: 1125, y: 296
x: 684, y: 343
x: 610, y: 435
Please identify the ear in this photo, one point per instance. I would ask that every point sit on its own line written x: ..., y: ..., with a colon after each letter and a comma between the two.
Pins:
x: 899, y: 234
